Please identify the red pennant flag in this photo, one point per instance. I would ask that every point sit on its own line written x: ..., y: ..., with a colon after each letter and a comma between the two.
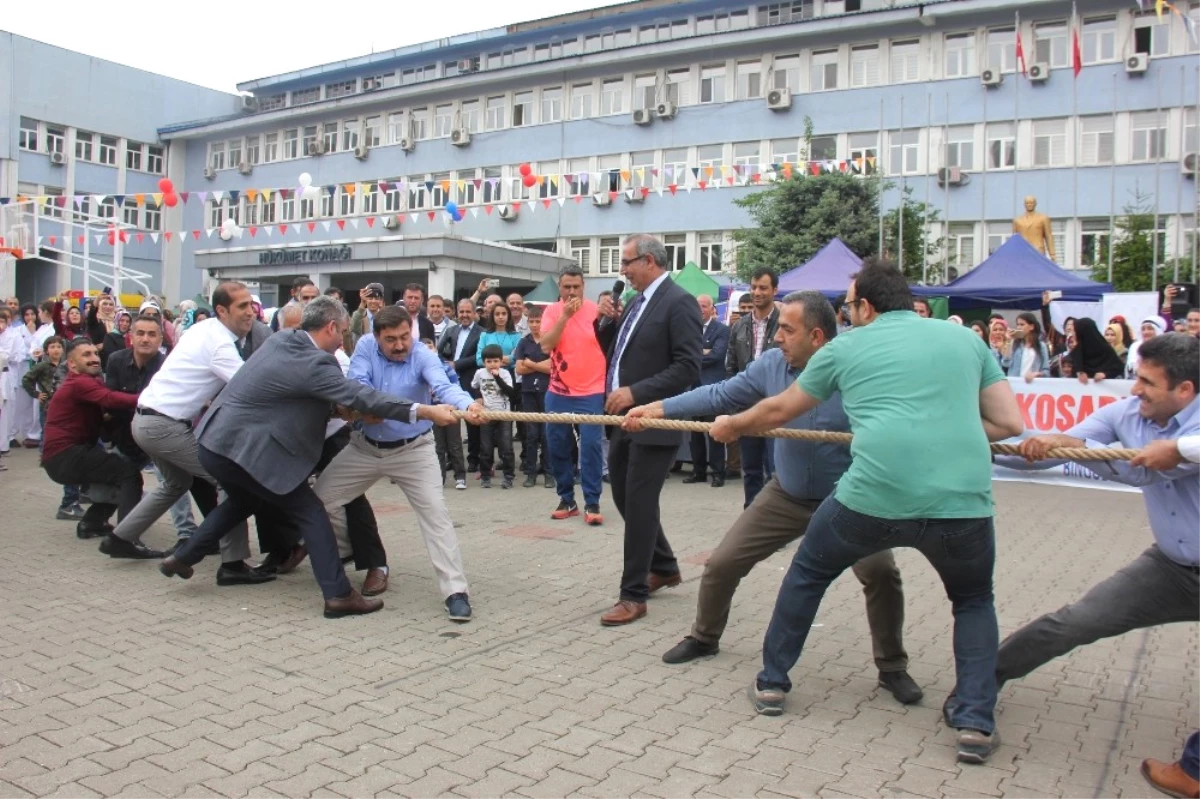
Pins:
x: 729, y: 180
x: 196, y: 235
x: 432, y: 215
x: 703, y: 185
x: 80, y: 239
x: 167, y: 235
x: 282, y: 230
x: 674, y: 188
x: 487, y: 209
x: 183, y: 195
x: 253, y: 231
x: 370, y: 221
x: 54, y: 241
x: 578, y: 199
x: 612, y: 195
x: 312, y: 226
x: 756, y: 177
x: 341, y: 223
x: 546, y: 203
x: 516, y: 208
x: 141, y: 237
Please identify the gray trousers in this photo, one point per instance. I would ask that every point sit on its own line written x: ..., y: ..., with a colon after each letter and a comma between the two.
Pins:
x: 774, y: 520
x: 172, y: 447
x: 1151, y: 590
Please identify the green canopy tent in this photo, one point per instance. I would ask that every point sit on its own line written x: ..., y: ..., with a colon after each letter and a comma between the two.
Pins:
x: 201, y: 302
x: 544, y: 293
x: 692, y: 280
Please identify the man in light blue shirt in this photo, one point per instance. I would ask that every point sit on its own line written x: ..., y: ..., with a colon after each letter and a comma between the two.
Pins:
x: 403, y: 452
x: 1163, y: 584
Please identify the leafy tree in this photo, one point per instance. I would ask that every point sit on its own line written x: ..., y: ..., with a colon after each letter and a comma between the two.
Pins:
x: 919, y: 249
x: 1133, y: 250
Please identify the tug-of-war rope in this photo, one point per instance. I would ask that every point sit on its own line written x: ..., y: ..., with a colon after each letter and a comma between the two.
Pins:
x: 1058, y: 453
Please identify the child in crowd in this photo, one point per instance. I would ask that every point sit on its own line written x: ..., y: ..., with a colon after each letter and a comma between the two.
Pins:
x: 495, y: 384
x: 533, y: 367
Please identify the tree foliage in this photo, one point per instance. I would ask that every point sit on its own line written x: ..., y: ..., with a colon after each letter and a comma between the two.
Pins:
x: 1133, y: 247
x: 919, y: 249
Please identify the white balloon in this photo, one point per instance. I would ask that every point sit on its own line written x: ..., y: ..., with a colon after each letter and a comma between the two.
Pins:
x: 305, y: 179
x: 310, y: 193
x: 228, y: 224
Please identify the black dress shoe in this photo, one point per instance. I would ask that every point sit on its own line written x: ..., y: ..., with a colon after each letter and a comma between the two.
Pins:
x: 717, y: 482
x: 243, y: 576
x: 271, y: 563
x: 87, y: 530
x: 689, y: 649
x: 120, y: 548
x: 694, y: 478
x: 903, y: 687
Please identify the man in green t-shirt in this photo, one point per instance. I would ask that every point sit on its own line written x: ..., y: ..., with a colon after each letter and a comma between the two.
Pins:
x: 924, y: 397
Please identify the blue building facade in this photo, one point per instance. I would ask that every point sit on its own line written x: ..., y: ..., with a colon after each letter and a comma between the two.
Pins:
x: 653, y: 117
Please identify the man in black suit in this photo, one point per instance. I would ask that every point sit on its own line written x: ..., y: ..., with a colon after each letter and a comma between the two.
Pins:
x: 414, y: 302
x: 459, y: 345
x: 653, y: 351
x: 707, y: 454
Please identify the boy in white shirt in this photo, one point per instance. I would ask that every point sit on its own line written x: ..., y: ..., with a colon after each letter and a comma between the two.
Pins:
x: 495, y: 383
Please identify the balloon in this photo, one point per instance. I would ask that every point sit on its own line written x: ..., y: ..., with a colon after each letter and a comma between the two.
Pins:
x: 166, y: 186
x: 459, y: 216
x: 530, y: 181
x: 305, y: 179
x: 310, y: 193
x: 171, y: 200
x: 228, y: 224
x: 452, y: 208
x: 526, y: 170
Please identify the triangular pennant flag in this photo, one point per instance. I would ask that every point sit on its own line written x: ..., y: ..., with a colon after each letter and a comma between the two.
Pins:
x: 371, y: 221
x: 53, y: 241
x: 429, y: 186
x: 445, y: 184
x: 584, y: 177
x: 554, y: 183
x: 578, y: 199
x: 641, y: 174
x: 349, y: 188
x: 383, y: 186
x: 561, y: 200
x: 478, y: 183
x: 183, y: 196
x: 99, y: 198
x: 196, y: 235
x: 209, y: 231
x: 120, y: 200
x: 253, y: 231
x: 283, y: 230
x: 218, y: 196
x: 154, y: 238
x: 488, y: 210
x: 546, y: 203
x: 266, y: 195
x: 98, y: 238
x: 80, y: 239
x: 42, y: 200
x: 269, y: 232
x: 326, y: 225
x: 645, y: 192
x: 341, y: 223
x: 233, y: 196
x: 612, y: 195
x: 787, y: 171
x: 625, y: 175
x: 413, y: 217
x: 202, y: 196
x: 140, y: 237
x: 696, y: 172
x: 60, y: 201
x: 531, y: 205
x: 312, y: 227
x: 432, y: 215
x: 332, y: 190
x: 661, y: 189
x: 703, y: 185
x: 167, y: 235
x: 674, y: 188
x: 354, y: 223
x: 475, y: 213
x: 251, y: 195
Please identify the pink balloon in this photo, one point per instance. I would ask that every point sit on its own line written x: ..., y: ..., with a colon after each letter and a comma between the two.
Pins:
x: 171, y: 200
x: 526, y: 170
x: 166, y: 186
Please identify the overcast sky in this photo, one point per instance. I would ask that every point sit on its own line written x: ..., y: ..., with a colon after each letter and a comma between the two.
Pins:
x: 219, y: 44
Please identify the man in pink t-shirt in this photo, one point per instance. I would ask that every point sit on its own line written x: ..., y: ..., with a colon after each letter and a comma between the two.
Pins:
x: 577, y: 370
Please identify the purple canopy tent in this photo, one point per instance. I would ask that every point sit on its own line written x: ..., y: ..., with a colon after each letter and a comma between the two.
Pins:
x: 828, y: 271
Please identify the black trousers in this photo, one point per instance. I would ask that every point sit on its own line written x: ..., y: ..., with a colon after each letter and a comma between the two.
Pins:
x: 535, y: 456
x: 495, y: 436
x: 637, y: 472
x: 449, y: 445
x: 80, y: 465
x: 245, y: 497
x: 708, y: 456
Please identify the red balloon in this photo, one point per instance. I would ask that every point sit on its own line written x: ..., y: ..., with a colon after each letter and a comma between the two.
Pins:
x: 171, y: 200
x: 166, y: 186
x: 530, y: 181
x: 526, y: 171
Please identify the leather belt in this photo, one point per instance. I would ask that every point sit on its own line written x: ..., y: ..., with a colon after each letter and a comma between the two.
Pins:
x: 400, y: 442
x: 151, y: 412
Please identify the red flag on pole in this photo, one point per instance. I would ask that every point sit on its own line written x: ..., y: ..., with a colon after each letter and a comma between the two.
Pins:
x: 1020, y: 52
x: 1076, y: 53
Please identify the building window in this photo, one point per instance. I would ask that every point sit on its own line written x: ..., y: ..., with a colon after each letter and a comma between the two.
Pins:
x: 823, y: 148
x: 350, y: 135
x: 469, y: 116
x: 1096, y: 140
x: 864, y: 152
x: 1099, y: 40
x: 373, y: 131
x: 214, y: 213
x: 1094, y: 238
x: 905, y: 62
x: 1050, y: 142
x: 712, y: 85
x: 306, y: 96
x: 391, y: 197
x: 611, y: 92
x: 581, y: 254
x: 1001, y: 50
x: 55, y: 137
x: 492, y: 184
x: 675, y: 166
x: 785, y: 151
x: 443, y: 121
x: 253, y: 150
x: 1193, y: 40
x: 746, y: 154
x: 327, y: 204
x: 419, y: 123
x: 309, y: 138
x: 864, y: 66
x: 151, y: 218
x: 107, y: 209
x: 251, y: 215
x: 418, y: 74
x: 785, y: 72
x: 609, y: 167
x: 676, y: 246
x: 27, y: 136
x: 83, y: 145
x: 1050, y: 44
x: 641, y: 166
x: 235, y: 153
x: 679, y: 87
x: 1001, y: 145
x: 710, y: 252
x: 960, y: 147
x: 216, y: 155
x: 155, y: 159
x: 266, y: 211
x: 610, y: 256
x: 904, y: 152
x: 576, y: 177
x: 129, y: 214
x: 824, y: 70
x: 272, y: 103
x: 291, y: 143
x: 960, y: 55
x: 133, y: 156
x: 50, y: 209
x: 581, y: 101
x: 783, y: 13
x: 997, y: 234
x: 416, y: 194
x: 397, y: 127
x: 1149, y: 137
x: 329, y: 136
x: 1191, y: 140
x: 1151, y: 35
x: 522, y: 110
x: 496, y: 107
x: 270, y: 147
x: 960, y: 245
x: 710, y: 155
x: 340, y: 89
x: 347, y: 204
x: 552, y: 105
x: 645, y: 91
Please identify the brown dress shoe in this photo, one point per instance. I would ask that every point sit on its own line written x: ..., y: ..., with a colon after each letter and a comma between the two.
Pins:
x: 297, y: 556
x: 352, y: 604
x: 623, y: 612
x: 171, y: 566
x: 1170, y: 778
x: 658, y: 581
x: 376, y: 582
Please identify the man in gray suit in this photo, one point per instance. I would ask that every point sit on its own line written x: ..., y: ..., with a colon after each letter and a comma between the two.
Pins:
x: 263, y: 436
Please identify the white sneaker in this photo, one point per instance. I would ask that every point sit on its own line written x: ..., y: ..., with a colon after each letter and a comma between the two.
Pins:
x: 460, y: 485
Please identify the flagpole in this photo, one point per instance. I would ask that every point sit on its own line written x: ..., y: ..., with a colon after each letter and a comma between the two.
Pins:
x: 1075, y: 122
x: 925, y: 221
x: 946, y: 184
x: 900, y: 206
x: 881, y: 253
x: 1179, y: 239
x: 1157, y: 180
x: 1020, y: 49
x: 1112, y: 185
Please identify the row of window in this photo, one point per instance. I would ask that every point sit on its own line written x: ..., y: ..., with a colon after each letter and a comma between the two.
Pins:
x: 43, y: 137
x: 88, y: 208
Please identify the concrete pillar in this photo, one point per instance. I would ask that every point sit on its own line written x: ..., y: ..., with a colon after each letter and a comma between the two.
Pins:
x: 441, y: 282
x: 323, y: 280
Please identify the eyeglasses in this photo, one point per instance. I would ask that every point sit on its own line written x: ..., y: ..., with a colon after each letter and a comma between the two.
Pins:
x: 628, y: 261
x: 848, y: 303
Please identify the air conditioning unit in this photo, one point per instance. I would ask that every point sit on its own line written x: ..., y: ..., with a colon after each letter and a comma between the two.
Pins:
x: 360, y: 152
x: 991, y: 77
x: 371, y: 84
x: 460, y: 137
x: 507, y: 212
x: 391, y: 223
x: 316, y: 148
x: 58, y: 159
x: 408, y: 144
x: 1039, y: 72
x: 249, y: 103
x: 779, y: 99
x: 1189, y: 164
x: 642, y: 116
x: 1137, y: 64
x: 468, y: 65
x: 210, y: 173
x: 245, y: 168
x: 602, y: 199
x: 634, y: 196
x: 666, y: 110
x: 949, y: 176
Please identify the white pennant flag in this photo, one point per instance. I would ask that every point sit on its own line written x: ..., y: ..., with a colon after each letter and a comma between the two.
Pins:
x: 268, y: 230
x: 475, y: 213
x: 688, y: 187
x: 660, y: 191
x: 325, y: 225
x: 154, y: 238
x: 210, y: 231
x: 531, y: 205
x: 381, y: 220
x: 295, y: 228
x: 413, y: 217
x: 354, y: 223
x: 561, y: 200
x: 98, y: 237
x: 39, y: 242
x: 218, y: 196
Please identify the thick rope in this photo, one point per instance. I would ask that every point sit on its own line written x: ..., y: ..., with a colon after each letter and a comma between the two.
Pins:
x: 1062, y: 453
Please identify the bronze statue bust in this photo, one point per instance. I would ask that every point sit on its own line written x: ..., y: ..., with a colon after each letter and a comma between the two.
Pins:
x: 1035, y: 228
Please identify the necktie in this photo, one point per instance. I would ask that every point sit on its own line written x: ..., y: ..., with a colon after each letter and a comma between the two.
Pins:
x: 243, y: 347
x: 634, y: 309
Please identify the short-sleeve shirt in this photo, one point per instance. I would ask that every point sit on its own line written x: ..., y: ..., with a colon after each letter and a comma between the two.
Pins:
x: 534, y: 381
x: 577, y: 364
x: 911, y: 389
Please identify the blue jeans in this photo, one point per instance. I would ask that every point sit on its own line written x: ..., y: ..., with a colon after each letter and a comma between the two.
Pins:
x: 558, y: 440
x: 962, y: 551
x: 758, y: 464
x: 1190, y: 761
x: 70, y: 492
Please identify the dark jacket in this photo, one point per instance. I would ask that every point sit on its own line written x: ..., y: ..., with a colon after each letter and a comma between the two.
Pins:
x: 123, y: 374
x: 44, y: 378
x: 716, y: 340
x: 741, y: 342
x: 464, y: 366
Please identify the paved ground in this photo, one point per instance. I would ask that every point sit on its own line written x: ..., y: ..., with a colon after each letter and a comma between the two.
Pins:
x: 117, y: 681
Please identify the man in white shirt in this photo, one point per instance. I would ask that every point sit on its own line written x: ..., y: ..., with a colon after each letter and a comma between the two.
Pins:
x: 516, y: 309
x: 198, y: 368
x: 435, y: 307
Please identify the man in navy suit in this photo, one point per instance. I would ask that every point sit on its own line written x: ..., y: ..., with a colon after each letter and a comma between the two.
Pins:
x: 708, y: 456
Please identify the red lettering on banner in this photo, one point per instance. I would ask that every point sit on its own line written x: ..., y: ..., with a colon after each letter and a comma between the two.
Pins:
x: 1024, y: 401
x: 1048, y: 412
x: 1045, y: 411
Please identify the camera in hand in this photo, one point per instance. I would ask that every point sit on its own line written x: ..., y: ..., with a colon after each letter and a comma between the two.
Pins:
x: 1183, y: 301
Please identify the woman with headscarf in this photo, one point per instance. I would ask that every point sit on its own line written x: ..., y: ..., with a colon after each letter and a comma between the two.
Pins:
x: 101, y: 320
x: 118, y: 339
x: 68, y: 320
x: 1093, y: 357
x: 1151, y: 326
x: 1115, y: 337
x: 998, y: 340
x: 1126, y: 332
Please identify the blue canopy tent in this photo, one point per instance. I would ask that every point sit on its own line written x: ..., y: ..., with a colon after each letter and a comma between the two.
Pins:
x: 1015, y: 277
x: 828, y: 272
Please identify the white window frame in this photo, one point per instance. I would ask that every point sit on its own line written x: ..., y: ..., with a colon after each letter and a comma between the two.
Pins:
x: 1160, y: 33
x: 1097, y: 140
x: 904, y: 149
x: 522, y: 109
x: 1007, y: 143
x: 27, y: 135
x: 823, y: 75
x: 134, y: 156
x: 609, y: 250
x: 216, y: 155
x: 84, y: 145
x: 443, y: 120
x: 1050, y: 142
x: 470, y: 116
x: 1147, y: 136
x: 749, y: 80
x: 612, y: 94
x: 1052, y: 44
x: 904, y: 62
x: 156, y: 159
x: 582, y: 95
x: 712, y: 84
x: 496, y: 113
x: 710, y: 254
x: 960, y: 61
x: 552, y: 105
x: 960, y: 147
x: 785, y: 73
x: 1000, y: 53
x: 865, y: 66
x: 860, y: 151
x: 1098, y: 40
